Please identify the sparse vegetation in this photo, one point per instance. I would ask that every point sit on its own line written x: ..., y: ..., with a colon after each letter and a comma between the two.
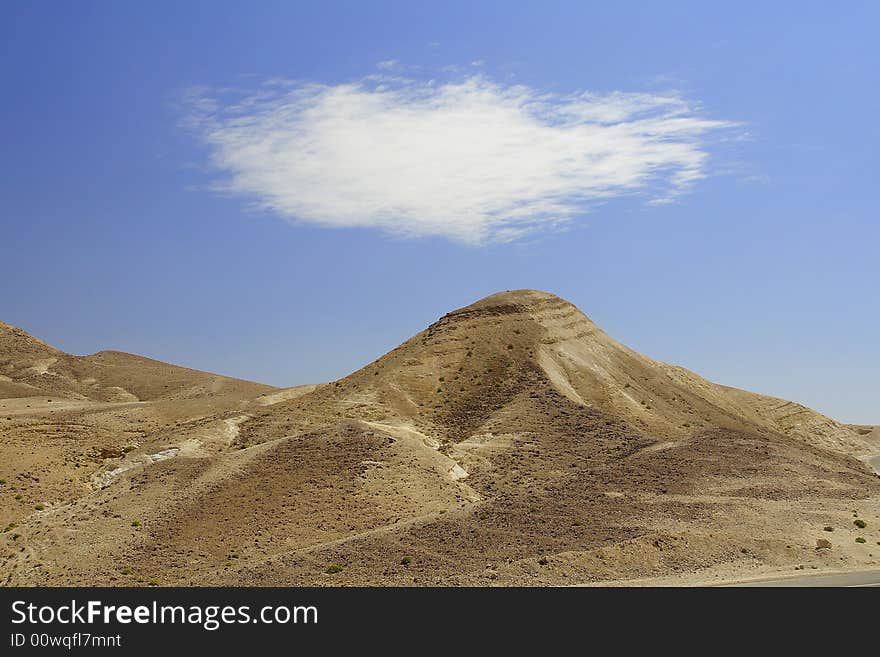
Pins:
x: 860, y: 539
x: 135, y: 523
x: 861, y: 524
x: 40, y: 507
x: 9, y: 527
x: 828, y: 528
x: 406, y: 561
x: 334, y: 568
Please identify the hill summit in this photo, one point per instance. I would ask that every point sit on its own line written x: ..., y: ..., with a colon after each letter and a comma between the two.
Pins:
x: 474, y: 365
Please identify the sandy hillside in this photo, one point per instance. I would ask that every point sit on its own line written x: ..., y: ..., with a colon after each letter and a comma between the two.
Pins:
x: 31, y: 368
x: 64, y: 417
x: 510, y: 443
x: 868, y: 433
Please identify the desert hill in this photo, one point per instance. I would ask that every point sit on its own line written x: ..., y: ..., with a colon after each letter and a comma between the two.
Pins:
x: 869, y: 432
x: 453, y: 379
x: 21, y: 354
x: 63, y: 417
x: 511, y: 442
x: 29, y: 367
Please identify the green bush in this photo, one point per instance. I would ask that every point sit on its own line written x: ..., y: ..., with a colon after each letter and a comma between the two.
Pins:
x: 406, y: 561
x: 860, y: 540
x: 859, y: 523
x: 135, y: 523
x: 39, y: 507
x: 334, y: 568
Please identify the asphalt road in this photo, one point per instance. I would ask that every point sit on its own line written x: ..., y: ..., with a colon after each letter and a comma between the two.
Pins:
x: 856, y: 579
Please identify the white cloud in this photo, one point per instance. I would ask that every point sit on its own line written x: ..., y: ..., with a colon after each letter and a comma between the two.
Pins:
x: 472, y: 160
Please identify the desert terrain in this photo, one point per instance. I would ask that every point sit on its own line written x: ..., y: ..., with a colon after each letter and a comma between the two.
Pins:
x: 512, y: 442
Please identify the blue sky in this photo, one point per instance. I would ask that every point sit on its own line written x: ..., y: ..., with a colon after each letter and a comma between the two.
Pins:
x: 163, y: 187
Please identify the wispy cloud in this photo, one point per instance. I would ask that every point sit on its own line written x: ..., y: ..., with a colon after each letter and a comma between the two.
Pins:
x: 472, y: 159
